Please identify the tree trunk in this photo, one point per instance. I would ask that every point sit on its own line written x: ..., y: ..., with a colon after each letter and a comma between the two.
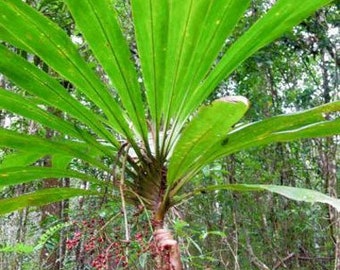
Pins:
x: 166, y: 251
x: 327, y: 152
x: 328, y: 156
x: 50, y: 258
x: 164, y: 248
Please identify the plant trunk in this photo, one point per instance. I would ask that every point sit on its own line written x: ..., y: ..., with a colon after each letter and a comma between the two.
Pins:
x: 164, y: 248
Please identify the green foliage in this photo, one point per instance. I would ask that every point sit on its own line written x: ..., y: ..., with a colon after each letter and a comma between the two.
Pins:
x: 151, y: 123
x: 194, y: 145
x: 18, y: 248
x: 18, y: 175
x: 49, y: 233
x: 41, y: 197
x: 298, y: 194
x: 280, y: 128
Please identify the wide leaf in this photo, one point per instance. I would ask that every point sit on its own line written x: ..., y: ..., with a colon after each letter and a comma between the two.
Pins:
x: 20, y: 175
x: 279, y: 19
x: 171, y: 39
x: 320, y: 121
x: 30, y: 143
x: 20, y: 159
x: 207, y: 128
x: 49, y: 91
x: 317, y: 122
x: 41, y: 197
x: 32, y: 29
x: 294, y: 193
x: 98, y: 23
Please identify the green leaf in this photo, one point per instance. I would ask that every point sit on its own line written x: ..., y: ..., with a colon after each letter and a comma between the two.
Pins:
x: 279, y: 19
x: 41, y: 197
x: 151, y: 26
x: 13, y: 40
x: 171, y: 39
x: 320, y: 121
x: 47, y: 89
x: 20, y: 175
x: 293, y: 193
x: 61, y: 161
x: 304, y: 195
x: 198, y: 30
x: 29, y: 109
x: 47, y: 235
x: 30, y: 143
x: 207, y: 128
x: 98, y: 24
x: 18, y: 248
x: 190, y: 156
x: 32, y: 29
x: 20, y: 158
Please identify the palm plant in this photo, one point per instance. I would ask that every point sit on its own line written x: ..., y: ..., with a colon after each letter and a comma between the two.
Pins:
x: 148, y: 119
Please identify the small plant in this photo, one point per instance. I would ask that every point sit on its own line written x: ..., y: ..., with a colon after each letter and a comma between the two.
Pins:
x: 103, y: 249
x: 18, y: 248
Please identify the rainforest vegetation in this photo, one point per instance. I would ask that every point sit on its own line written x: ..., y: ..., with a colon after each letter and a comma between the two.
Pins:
x: 178, y: 134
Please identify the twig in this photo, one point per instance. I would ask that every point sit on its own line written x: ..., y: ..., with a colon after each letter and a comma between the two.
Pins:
x: 254, y: 260
x: 145, y: 209
x: 282, y: 261
x: 121, y: 189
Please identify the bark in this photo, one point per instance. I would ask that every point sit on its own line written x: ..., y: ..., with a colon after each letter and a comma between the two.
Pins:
x: 328, y: 156
x: 166, y: 251
x: 65, y: 215
x: 327, y: 153
x: 233, y: 236
x: 50, y: 258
